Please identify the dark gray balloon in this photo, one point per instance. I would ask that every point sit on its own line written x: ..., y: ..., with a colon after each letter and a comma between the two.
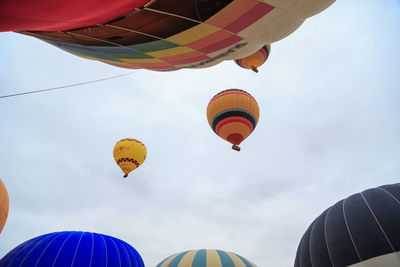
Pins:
x: 362, y: 230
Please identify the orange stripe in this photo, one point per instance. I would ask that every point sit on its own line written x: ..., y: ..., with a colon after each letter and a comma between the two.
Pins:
x: 231, y: 93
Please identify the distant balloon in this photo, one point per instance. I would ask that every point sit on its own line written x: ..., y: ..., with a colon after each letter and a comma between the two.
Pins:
x: 73, y: 249
x: 233, y: 114
x: 129, y: 154
x: 4, y: 205
x: 206, y: 258
x: 158, y: 35
x: 255, y: 60
x: 362, y: 230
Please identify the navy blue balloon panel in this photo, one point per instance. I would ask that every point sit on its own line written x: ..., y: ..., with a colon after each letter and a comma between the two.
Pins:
x: 73, y: 249
x: 359, y: 228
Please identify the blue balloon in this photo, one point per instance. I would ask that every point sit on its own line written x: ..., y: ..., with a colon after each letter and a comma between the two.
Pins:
x: 73, y: 249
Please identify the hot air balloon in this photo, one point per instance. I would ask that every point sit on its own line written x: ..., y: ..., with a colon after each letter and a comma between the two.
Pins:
x: 73, y: 249
x: 159, y: 34
x: 359, y: 231
x: 206, y: 258
x: 233, y: 114
x: 129, y: 154
x: 256, y: 59
x: 4, y: 204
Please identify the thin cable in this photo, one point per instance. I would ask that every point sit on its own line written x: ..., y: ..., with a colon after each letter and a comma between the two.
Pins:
x: 70, y: 85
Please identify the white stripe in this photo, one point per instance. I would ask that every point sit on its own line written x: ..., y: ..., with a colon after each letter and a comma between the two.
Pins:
x: 91, y: 254
x: 59, y: 251
x: 76, y: 250
x: 119, y: 256
x: 326, y: 237
x: 129, y: 256
x: 105, y: 246
x: 376, y: 219
x: 348, y: 230
x: 46, y: 248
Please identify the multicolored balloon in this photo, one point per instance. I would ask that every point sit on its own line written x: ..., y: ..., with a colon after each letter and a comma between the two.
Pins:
x: 73, y: 249
x: 206, y: 258
x: 359, y: 231
x: 129, y: 154
x: 256, y: 59
x: 159, y: 34
x: 233, y: 114
x: 4, y: 205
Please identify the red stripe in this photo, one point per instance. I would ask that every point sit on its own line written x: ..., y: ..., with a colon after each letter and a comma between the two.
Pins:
x: 230, y: 93
x: 249, y: 18
x: 222, y: 44
x: 233, y: 119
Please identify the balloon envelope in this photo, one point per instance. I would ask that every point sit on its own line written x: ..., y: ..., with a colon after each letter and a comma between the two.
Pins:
x: 73, y: 249
x: 129, y: 154
x: 256, y: 59
x: 174, y: 34
x: 233, y: 114
x: 206, y: 258
x: 359, y: 231
x: 4, y: 205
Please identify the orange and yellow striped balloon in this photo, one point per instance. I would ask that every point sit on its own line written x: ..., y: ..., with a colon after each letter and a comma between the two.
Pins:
x: 256, y: 59
x: 129, y: 154
x: 4, y: 204
x: 233, y: 114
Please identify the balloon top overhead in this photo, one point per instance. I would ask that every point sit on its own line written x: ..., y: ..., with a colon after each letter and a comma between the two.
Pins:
x: 162, y: 34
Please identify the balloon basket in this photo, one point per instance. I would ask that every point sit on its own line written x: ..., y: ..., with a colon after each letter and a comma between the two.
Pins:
x: 235, y: 147
x: 126, y: 175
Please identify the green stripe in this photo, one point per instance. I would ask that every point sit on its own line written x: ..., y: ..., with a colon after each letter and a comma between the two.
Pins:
x: 154, y: 46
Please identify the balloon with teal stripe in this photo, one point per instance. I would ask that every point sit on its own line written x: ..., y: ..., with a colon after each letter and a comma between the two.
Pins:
x: 205, y: 258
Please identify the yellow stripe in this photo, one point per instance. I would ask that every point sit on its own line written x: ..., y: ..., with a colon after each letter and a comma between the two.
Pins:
x: 167, y: 262
x: 213, y: 258
x: 170, y: 52
x: 232, y: 101
x: 193, y: 34
x: 236, y: 260
x: 187, y: 260
x: 234, y: 127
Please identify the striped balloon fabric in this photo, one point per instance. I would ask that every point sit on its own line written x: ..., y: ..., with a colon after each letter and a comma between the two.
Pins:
x: 205, y: 258
x: 174, y: 34
x: 255, y: 60
x: 73, y: 249
x: 359, y: 231
x: 233, y: 114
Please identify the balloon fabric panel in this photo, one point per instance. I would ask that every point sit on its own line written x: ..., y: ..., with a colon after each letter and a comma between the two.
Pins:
x: 205, y: 258
x: 72, y: 249
x: 191, y: 40
x: 4, y: 205
x: 359, y: 231
x: 60, y: 15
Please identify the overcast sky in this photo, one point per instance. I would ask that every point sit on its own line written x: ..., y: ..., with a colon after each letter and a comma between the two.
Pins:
x: 329, y: 127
